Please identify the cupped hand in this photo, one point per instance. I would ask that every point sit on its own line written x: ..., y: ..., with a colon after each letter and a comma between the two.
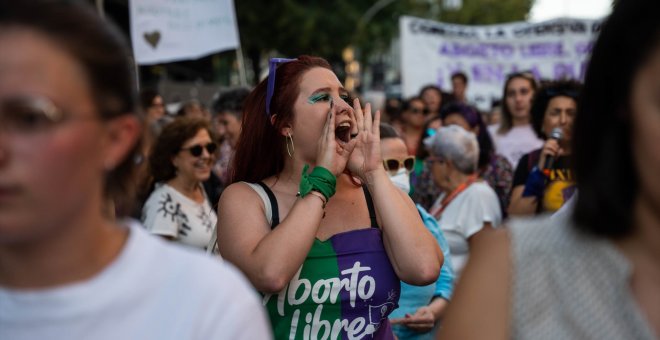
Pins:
x: 366, y: 156
x: 333, y: 154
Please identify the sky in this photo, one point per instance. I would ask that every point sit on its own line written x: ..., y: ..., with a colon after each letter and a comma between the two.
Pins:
x: 580, y: 9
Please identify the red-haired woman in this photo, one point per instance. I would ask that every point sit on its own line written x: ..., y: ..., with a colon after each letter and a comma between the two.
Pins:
x: 327, y: 253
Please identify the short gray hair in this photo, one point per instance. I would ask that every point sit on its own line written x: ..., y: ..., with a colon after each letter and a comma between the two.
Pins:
x: 455, y: 144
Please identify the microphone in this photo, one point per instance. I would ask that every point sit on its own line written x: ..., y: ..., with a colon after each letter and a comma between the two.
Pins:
x: 556, y: 134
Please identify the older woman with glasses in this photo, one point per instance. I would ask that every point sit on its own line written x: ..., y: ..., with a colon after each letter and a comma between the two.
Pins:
x: 69, y: 131
x: 178, y: 208
x: 467, y: 204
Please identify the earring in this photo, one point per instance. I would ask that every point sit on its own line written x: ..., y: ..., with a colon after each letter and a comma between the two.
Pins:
x: 286, y: 141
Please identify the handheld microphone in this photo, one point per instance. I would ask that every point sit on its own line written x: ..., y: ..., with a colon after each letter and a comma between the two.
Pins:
x: 556, y: 134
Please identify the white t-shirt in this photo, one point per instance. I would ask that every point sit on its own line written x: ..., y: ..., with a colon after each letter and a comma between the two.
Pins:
x: 167, y: 212
x: 152, y: 290
x: 464, y: 216
x: 519, y: 141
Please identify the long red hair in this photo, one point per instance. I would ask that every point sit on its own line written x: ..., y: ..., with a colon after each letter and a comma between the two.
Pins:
x: 261, y: 149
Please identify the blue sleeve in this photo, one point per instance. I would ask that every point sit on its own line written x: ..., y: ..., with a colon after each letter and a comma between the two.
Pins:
x: 444, y: 286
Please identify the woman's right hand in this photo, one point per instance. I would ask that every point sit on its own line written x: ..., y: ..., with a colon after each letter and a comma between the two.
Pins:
x: 333, y: 154
x: 551, y: 148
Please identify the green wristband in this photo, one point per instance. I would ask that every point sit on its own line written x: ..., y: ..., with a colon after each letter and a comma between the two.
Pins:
x: 320, y: 179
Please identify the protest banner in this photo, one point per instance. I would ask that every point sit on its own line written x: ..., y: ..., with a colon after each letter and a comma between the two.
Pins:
x: 432, y: 51
x: 171, y: 30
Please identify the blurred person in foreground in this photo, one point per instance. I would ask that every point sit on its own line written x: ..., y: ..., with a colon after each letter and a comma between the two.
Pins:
x: 493, y: 168
x: 467, y: 204
x: 595, y: 273
x: 420, y: 308
x: 514, y: 136
x: 312, y: 217
x: 543, y: 181
x: 68, y: 133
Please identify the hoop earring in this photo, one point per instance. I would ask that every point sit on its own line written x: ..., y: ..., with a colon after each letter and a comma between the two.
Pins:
x: 288, y: 138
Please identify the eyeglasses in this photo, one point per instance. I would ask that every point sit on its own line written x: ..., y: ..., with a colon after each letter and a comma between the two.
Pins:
x: 270, y: 89
x: 29, y: 114
x: 197, y: 149
x: 435, y: 159
x: 416, y: 111
x: 392, y: 165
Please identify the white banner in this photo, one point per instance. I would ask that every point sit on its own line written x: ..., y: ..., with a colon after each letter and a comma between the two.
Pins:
x: 170, y: 30
x: 432, y: 51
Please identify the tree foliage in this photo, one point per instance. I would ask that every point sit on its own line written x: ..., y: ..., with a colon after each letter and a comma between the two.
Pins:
x: 325, y: 28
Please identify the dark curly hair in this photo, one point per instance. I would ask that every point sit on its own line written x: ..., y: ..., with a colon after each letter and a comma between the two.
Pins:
x: 550, y: 90
x: 169, y: 143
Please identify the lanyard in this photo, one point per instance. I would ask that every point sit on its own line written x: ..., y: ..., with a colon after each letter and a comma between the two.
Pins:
x: 437, y: 212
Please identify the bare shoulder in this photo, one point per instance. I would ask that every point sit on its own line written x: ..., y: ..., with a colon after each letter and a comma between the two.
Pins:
x: 480, y: 307
x: 241, y: 221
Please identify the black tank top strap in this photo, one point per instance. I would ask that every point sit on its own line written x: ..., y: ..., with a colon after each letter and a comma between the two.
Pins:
x: 370, y: 205
x: 275, y: 211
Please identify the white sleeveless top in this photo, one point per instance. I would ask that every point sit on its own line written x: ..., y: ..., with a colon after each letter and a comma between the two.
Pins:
x: 569, y: 285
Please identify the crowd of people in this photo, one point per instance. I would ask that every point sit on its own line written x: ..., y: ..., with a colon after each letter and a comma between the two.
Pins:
x: 292, y: 210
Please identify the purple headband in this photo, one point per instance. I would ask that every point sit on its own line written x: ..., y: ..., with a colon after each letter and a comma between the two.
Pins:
x: 272, y: 67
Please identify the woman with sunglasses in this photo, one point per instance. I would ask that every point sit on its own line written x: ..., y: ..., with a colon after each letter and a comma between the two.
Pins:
x: 69, y: 134
x: 420, y: 308
x: 467, y: 205
x: 178, y: 207
x: 312, y: 217
x: 514, y: 136
x: 413, y: 117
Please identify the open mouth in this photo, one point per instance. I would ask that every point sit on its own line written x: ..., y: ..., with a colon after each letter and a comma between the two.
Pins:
x: 343, y: 131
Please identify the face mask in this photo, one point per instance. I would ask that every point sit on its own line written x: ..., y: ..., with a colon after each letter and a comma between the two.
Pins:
x: 401, y: 180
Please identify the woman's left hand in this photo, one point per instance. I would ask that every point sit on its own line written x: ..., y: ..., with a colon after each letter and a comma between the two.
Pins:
x: 366, y: 155
x: 422, y: 321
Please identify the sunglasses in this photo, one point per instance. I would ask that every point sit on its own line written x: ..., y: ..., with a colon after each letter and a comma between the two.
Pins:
x: 416, y: 111
x: 393, y: 165
x: 197, y: 149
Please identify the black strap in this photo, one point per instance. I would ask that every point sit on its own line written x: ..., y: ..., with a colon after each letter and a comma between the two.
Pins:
x: 273, y: 205
x: 370, y: 205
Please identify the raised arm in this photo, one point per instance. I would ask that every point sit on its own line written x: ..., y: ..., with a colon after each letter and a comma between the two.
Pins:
x: 412, y: 249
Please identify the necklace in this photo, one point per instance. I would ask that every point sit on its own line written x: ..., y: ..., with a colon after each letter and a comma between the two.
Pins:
x: 437, y: 211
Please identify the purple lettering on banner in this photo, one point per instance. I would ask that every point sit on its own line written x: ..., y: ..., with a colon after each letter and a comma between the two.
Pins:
x: 584, y: 48
x: 548, y: 49
x: 564, y: 71
x: 488, y: 73
x: 439, y: 82
x: 476, y: 50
